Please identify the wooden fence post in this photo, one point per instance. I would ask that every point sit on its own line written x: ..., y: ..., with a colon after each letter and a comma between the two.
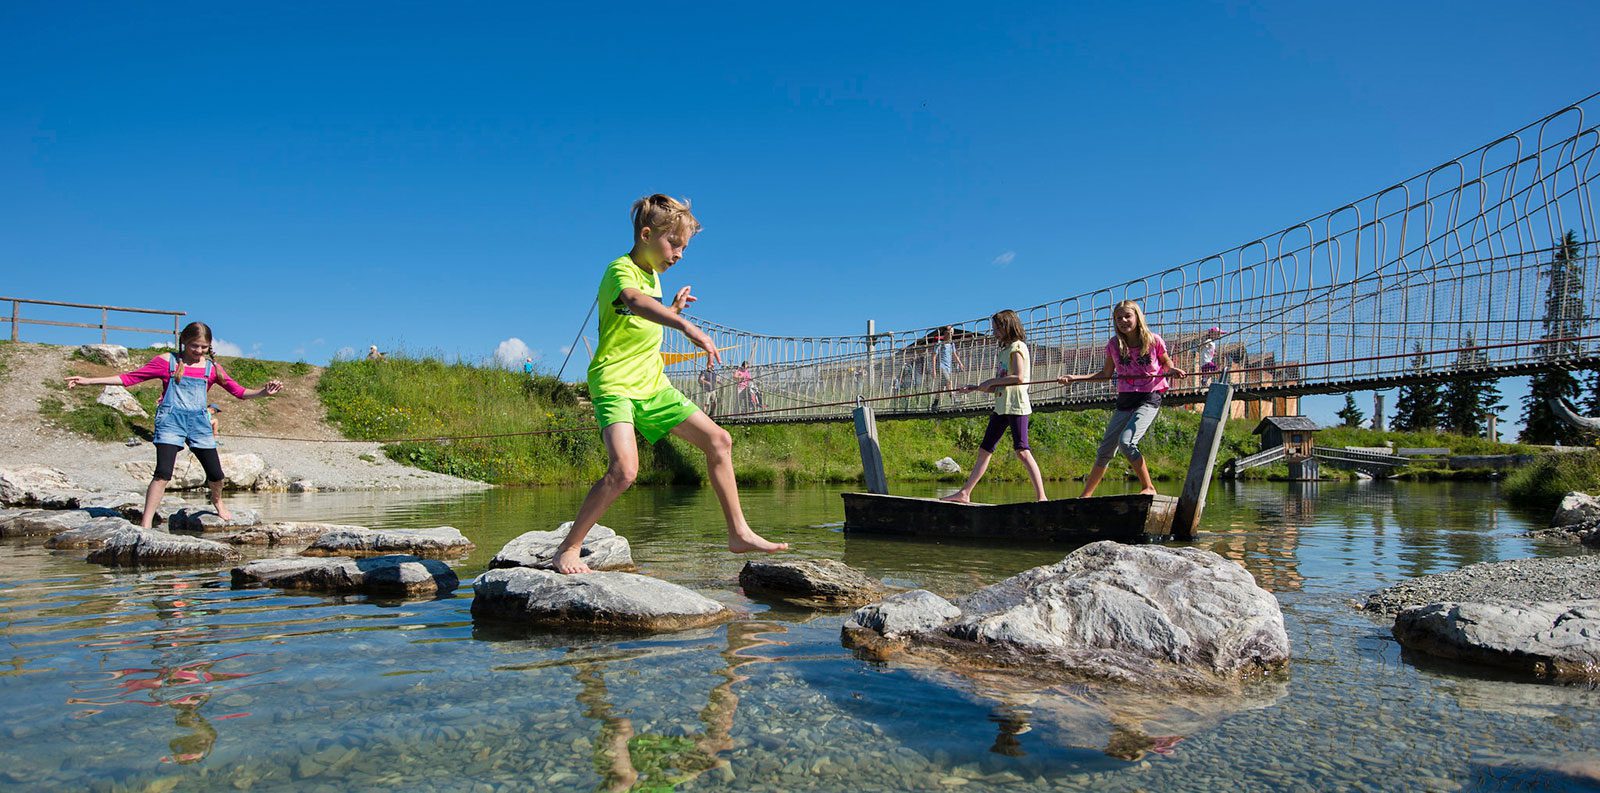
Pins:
x: 1192, y: 502
x: 14, y: 305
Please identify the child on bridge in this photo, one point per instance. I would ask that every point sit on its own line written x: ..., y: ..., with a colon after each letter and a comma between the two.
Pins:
x: 629, y: 386
x: 1138, y: 360
x: 182, y: 415
x: 1011, y: 406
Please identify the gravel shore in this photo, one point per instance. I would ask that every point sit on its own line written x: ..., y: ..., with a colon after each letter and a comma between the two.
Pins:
x: 1524, y: 580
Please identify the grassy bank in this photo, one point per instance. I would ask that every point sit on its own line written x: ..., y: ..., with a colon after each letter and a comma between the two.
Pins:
x: 420, y: 397
x: 1540, y: 486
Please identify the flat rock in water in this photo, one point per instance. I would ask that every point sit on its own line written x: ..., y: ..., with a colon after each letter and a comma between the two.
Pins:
x: 1143, y: 615
x: 395, y: 574
x: 93, y: 534
x: 1557, y: 639
x: 1551, y: 580
x: 1576, y: 507
x: 603, y: 549
x: 203, y: 520
x: 906, y: 613
x: 47, y: 522
x: 812, y: 581
x: 602, y: 601
x: 285, y: 533
x: 26, y: 486
x: 144, y: 548
x: 435, y: 543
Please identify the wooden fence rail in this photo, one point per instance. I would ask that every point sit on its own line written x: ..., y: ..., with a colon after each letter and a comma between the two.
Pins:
x: 17, y: 320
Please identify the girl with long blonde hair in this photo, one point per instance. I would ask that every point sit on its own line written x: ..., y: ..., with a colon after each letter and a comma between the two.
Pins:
x: 1138, y: 360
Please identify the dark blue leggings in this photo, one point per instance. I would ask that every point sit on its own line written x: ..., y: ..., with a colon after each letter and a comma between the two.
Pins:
x: 167, y: 456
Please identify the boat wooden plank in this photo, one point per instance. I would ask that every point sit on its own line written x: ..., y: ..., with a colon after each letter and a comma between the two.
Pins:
x: 1129, y: 518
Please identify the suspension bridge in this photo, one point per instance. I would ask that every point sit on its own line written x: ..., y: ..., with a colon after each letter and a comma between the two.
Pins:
x: 1461, y: 271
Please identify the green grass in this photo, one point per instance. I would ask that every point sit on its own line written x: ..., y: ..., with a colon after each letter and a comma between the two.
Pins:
x: 1540, y: 486
x: 89, y: 418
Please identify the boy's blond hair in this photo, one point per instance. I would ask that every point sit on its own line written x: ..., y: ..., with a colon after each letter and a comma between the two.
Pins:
x: 663, y: 214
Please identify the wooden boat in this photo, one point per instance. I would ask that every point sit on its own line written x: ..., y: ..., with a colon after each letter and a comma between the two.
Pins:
x: 1128, y: 519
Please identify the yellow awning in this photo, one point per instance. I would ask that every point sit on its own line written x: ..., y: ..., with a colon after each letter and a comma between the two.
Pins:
x: 671, y: 358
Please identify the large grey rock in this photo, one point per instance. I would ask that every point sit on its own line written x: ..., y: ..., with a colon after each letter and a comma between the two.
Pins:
x: 947, y: 465
x: 1576, y: 508
x: 240, y: 471
x: 604, y: 601
x: 436, y: 543
x: 395, y: 575
x: 109, y: 354
x: 285, y: 533
x: 812, y: 581
x: 1559, y: 640
x: 121, y: 400
x: 93, y: 534
x: 143, y: 548
x: 204, y: 520
x: 273, y: 480
x: 904, y: 614
x: 30, y: 485
x: 603, y: 549
x: 47, y: 522
x: 1140, y: 614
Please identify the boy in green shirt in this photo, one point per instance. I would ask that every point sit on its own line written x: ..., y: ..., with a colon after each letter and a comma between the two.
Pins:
x: 629, y: 387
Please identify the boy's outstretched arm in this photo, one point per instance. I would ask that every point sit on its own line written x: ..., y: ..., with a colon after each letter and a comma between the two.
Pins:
x: 652, y: 309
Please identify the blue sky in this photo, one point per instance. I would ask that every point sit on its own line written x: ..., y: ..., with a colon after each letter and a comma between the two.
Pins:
x: 448, y: 177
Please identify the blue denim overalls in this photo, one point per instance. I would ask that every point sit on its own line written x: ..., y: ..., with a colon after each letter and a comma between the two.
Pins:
x: 182, y: 416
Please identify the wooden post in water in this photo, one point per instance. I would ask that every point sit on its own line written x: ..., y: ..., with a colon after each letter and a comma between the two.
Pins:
x: 1192, y: 502
x: 871, y: 453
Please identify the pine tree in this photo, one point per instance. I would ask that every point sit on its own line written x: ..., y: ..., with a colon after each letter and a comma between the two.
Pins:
x: 1350, y: 414
x: 1563, y: 319
x: 1419, y: 406
x: 1466, y: 402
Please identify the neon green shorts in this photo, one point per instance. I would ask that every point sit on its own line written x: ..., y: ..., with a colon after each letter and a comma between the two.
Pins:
x: 653, y: 416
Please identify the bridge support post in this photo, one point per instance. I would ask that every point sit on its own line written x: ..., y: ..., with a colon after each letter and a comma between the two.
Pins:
x: 871, y: 452
x: 1192, y: 502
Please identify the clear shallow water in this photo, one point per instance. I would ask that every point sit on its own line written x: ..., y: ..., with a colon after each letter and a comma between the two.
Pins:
x: 173, y: 680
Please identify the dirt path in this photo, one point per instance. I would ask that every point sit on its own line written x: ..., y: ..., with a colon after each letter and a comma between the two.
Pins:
x: 28, y: 439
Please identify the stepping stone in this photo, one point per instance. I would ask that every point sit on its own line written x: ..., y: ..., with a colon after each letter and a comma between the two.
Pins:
x: 436, y: 543
x: 598, y: 601
x: 917, y: 611
x: 207, y: 519
x: 31, y: 485
x: 93, y: 534
x: 1558, y: 640
x: 812, y: 582
x: 285, y: 533
x: 392, y: 575
x: 603, y: 549
x: 144, y: 548
x: 45, y: 522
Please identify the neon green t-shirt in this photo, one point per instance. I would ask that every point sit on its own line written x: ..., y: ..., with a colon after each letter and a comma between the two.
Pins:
x: 627, y: 362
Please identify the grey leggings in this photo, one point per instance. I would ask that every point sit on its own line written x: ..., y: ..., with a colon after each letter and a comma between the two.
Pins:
x: 1124, y: 431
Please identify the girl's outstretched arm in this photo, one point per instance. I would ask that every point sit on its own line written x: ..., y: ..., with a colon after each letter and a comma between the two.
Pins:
x: 77, y: 380
x: 240, y: 392
x: 1104, y: 373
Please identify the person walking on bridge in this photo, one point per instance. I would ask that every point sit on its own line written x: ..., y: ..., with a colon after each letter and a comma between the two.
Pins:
x: 1138, y: 360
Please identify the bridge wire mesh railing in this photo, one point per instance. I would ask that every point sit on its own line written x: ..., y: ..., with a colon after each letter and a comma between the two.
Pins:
x: 1466, y: 258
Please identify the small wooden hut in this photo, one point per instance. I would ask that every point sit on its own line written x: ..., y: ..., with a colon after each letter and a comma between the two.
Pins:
x: 1294, y: 433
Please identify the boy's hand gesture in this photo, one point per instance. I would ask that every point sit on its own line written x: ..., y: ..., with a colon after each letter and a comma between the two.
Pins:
x: 682, y: 300
x: 698, y: 337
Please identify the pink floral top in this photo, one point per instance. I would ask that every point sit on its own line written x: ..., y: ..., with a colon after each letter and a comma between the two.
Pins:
x: 1139, y: 371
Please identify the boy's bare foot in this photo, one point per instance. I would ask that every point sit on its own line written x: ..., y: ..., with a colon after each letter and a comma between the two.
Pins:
x: 222, y: 511
x: 958, y: 497
x: 748, y: 541
x: 1149, y: 491
x: 568, y: 561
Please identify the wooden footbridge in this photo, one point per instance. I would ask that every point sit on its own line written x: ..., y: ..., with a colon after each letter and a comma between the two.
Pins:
x: 1461, y: 271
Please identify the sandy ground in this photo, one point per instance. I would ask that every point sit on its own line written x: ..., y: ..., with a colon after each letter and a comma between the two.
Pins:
x: 28, y: 439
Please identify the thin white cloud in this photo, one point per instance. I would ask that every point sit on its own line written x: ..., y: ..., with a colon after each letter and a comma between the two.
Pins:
x: 566, y: 348
x: 319, y: 341
x: 511, y: 352
x: 299, y: 351
x: 1004, y: 259
x: 345, y: 354
x: 228, y: 348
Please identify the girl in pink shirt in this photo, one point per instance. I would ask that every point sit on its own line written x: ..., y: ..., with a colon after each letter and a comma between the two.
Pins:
x: 181, y: 415
x: 1138, y: 360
